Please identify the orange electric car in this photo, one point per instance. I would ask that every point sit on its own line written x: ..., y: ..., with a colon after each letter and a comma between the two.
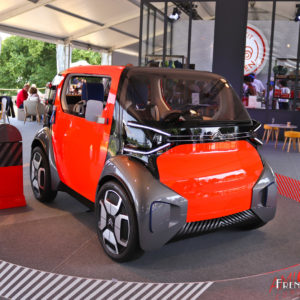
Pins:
x: 160, y: 153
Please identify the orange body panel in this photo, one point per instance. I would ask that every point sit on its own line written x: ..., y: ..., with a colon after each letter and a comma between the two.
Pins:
x: 216, y: 178
x: 80, y: 146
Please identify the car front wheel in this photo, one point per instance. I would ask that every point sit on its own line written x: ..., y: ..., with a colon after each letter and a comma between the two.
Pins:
x: 116, y: 222
x: 40, y: 176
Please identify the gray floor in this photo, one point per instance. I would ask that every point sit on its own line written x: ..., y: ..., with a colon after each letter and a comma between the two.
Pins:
x: 61, y: 238
x: 282, y: 162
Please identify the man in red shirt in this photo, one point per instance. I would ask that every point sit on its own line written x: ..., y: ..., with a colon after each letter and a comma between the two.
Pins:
x: 22, y: 95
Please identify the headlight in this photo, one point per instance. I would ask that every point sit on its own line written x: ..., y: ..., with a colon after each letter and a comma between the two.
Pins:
x: 144, y: 139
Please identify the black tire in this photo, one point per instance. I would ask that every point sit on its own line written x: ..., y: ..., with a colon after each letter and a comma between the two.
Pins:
x: 40, y: 176
x: 120, y: 244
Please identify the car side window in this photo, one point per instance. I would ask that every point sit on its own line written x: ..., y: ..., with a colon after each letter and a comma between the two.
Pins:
x: 85, y: 96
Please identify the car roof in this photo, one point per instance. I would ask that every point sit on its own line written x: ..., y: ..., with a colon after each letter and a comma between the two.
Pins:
x: 98, y: 70
x: 93, y: 69
x: 166, y: 71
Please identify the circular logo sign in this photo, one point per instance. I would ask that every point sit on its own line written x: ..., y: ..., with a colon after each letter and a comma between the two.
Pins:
x: 255, y: 53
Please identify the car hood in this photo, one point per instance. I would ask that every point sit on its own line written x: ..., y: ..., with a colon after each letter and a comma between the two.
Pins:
x: 216, y: 178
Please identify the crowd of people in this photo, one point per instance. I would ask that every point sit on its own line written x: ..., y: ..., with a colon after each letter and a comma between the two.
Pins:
x: 28, y: 93
x: 254, y: 87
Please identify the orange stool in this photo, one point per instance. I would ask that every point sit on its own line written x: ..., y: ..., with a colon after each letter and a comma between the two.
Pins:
x: 269, y: 130
x: 292, y: 136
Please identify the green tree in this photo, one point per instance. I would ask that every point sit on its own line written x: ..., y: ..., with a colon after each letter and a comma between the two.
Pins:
x: 93, y: 58
x: 25, y: 60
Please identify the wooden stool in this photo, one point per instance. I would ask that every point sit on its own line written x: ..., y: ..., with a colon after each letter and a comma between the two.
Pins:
x: 269, y: 130
x: 292, y: 135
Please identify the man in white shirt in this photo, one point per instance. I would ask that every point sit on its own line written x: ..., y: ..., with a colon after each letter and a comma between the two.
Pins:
x: 258, y: 85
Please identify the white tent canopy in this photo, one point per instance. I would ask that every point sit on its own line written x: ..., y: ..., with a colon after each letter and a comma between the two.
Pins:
x: 101, y: 25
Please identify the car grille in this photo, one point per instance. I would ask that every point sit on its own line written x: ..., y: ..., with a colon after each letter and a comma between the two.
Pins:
x: 209, y: 138
x: 195, y: 228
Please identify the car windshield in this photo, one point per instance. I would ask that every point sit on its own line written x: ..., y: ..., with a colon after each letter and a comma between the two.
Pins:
x: 165, y: 98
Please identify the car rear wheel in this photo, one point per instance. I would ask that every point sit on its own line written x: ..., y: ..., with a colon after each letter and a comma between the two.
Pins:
x: 116, y: 222
x: 40, y: 176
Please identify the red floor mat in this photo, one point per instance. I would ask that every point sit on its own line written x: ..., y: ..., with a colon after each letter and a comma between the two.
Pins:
x: 288, y: 187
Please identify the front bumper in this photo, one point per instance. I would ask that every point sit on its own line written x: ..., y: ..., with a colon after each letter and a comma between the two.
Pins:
x: 263, y: 208
x: 200, y: 227
x: 161, y: 213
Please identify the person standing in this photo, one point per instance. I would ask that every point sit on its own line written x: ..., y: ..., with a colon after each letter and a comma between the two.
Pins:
x: 271, y: 91
x: 260, y: 89
x: 248, y: 87
x: 285, y: 94
x: 22, y: 95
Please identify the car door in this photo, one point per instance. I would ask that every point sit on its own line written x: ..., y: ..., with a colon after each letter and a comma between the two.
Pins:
x: 80, y: 144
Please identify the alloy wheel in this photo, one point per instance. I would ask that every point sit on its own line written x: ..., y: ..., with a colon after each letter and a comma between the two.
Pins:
x: 37, y: 173
x: 114, y: 222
